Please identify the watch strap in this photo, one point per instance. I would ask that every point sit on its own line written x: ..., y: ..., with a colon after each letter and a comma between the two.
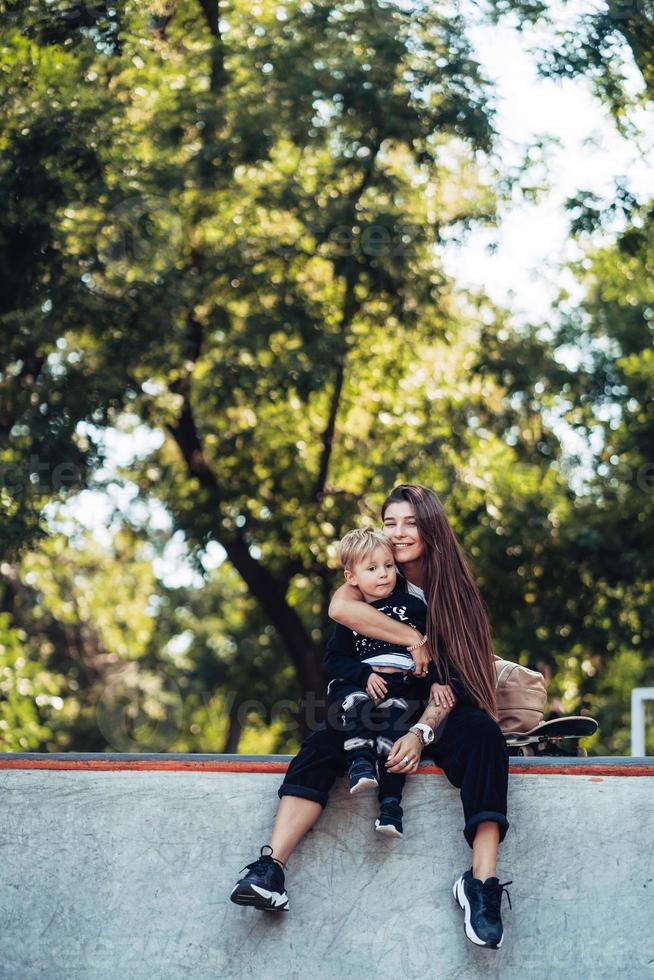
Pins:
x: 423, y: 737
x: 420, y: 734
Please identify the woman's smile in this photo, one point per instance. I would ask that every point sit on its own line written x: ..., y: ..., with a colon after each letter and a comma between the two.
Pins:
x: 401, y: 528
x: 406, y: 549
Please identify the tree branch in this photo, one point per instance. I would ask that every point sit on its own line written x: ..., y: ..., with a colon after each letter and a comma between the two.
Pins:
x: 330, y: 429
x: 211, y: 11
x: 349, y: 309
x: 267, y: 589
x: 212, y: 117
x: 161, y: 16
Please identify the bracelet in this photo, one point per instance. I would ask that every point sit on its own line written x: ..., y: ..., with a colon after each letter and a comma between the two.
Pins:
x: 418, y: 734
x: 417, y: 645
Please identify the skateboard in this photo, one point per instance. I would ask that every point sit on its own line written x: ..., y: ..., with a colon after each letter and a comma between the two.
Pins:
x: 560, y: 736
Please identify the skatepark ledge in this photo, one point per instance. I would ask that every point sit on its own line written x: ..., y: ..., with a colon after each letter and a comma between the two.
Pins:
x: 120, y: 865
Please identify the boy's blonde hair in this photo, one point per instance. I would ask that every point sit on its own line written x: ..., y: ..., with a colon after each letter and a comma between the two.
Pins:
x: 358, y: 544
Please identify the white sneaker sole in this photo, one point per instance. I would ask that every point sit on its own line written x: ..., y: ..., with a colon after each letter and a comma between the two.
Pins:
x: 363, y: 786
x: 462, y: 902
x: 387, y: 829
x: 259, y: 898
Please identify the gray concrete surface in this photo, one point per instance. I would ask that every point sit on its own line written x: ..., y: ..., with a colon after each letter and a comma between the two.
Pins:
x: 126, y: 875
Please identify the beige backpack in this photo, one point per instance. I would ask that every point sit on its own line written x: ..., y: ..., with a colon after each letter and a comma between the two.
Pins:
x: 521, y: 696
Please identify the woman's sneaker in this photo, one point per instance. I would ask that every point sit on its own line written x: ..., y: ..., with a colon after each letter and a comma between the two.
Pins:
x: 263, y: 885
x: 389, y: 821
x: 480, y: 901
x: 362, y: 775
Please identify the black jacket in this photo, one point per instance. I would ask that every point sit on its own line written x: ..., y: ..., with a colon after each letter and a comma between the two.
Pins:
x: 345, y: 651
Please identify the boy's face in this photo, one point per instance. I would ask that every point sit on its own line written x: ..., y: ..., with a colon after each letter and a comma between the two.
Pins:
x: 375, y: 576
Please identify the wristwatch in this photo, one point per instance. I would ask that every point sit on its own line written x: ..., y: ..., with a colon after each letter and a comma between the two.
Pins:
x: 424, y: 733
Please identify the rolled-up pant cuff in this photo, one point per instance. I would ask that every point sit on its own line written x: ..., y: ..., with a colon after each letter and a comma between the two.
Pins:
x: 304, y: 792
x: 472, y: 824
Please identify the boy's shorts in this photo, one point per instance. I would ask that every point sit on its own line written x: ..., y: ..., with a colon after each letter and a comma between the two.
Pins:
x: 403, y: 687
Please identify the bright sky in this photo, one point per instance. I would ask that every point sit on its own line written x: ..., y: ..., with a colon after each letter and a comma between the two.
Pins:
x: 522, y: 273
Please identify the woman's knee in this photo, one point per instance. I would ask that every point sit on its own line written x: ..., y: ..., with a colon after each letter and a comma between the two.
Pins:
x: 319, y: 762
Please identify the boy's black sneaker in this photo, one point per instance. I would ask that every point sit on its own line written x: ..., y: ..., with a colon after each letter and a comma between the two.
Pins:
x: 389, y: 821
x: 362, y: 775
x: 480, y: 901
x: 263, y: 885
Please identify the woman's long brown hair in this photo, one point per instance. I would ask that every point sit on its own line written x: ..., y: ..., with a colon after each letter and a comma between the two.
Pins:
x: 457, y: 624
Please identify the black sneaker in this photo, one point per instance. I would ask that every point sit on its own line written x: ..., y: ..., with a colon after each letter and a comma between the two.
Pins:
x: 389, y: 821
x: 362, y: 775
x: 263, y: 885
x: 481, y: 902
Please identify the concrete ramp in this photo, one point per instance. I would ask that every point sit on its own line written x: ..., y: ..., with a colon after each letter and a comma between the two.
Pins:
x: 119, y: 868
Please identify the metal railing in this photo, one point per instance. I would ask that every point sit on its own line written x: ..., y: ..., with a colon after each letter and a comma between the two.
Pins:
x: 639, y: 696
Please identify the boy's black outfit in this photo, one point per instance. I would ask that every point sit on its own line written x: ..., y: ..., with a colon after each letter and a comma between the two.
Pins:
x: 371, y: 728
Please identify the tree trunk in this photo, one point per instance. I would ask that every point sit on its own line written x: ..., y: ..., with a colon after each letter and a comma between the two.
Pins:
x: 234, y: 728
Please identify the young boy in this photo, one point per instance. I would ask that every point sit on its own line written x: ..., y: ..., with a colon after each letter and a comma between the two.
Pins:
x: 373, y: 683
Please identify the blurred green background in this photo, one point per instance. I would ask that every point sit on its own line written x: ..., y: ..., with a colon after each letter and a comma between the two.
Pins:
x: 222, y: 251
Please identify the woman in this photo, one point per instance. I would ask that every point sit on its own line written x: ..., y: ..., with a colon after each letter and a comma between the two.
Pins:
x: 469, y: 745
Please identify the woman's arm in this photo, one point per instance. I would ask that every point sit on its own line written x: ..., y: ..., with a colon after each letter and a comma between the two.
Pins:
x: 405, y: 754
x: 349, y: 608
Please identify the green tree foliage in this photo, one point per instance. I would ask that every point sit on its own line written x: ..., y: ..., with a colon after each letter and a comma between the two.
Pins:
x: 96, y: 654
x: 607, y: 400
x: 232, y: 239
x: 83, y: 616
x: 30, y: 694
x: 233, y: 233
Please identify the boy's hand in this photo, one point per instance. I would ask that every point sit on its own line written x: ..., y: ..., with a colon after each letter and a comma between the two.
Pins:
x: 443, y: 695
x: 421, y: 660
x: 376, y: 687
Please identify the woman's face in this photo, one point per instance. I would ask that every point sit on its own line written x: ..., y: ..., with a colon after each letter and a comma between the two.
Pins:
x: 401, y: 528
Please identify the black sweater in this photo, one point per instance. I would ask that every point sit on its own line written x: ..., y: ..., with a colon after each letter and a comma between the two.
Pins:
x: 347, y: 650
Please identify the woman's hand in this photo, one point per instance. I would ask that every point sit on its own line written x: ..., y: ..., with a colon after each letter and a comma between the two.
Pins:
x: 421, y: 660
x: 376, y: 687
x: 405, y: 754
x: 442, y: 695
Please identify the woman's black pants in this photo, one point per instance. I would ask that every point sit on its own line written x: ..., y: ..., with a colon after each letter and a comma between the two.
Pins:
x: 471, y: 750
